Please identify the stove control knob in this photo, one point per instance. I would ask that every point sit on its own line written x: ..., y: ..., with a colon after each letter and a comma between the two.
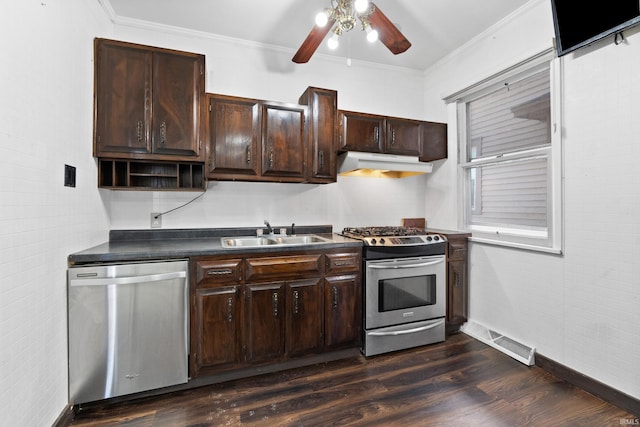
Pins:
x: 436, y: 238
x: 382, y: 241
x: 428, y: 238
x: 374, y: 241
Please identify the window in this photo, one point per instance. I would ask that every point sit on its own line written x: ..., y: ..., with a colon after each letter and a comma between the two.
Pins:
x: 510, y: 164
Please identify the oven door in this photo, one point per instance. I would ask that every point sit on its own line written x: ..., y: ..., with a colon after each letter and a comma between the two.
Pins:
x: 404, y: 290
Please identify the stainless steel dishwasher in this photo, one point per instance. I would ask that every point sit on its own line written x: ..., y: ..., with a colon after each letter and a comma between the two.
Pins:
x: 128, y: 328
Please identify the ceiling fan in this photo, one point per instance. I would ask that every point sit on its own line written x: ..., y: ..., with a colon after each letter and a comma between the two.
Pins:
x: 343, y: 16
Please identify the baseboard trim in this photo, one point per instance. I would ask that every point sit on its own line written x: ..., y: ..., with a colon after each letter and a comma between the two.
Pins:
x: 65, y: 417
x: 595, y: 387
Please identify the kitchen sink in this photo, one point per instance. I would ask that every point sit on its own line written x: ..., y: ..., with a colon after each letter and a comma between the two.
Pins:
x: 301, y: 240
x: 249, y: 242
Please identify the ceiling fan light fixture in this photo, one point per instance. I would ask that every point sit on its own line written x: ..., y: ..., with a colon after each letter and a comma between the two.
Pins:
x: 333, y: 42
x: 361, y: 5
x: 322, y: 19
x: 342, y: 16
x: 372, y: 35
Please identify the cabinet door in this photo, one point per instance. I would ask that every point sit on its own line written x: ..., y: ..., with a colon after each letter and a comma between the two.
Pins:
x: 283, y: 142
x: 178, y: 87
x: 457, y: 293
x: 304, y: 317
x: 234, y: 137
x: 342, y: 311
x: 264, y: 322
x: 122, y: 103
x: 403, y: 137
x: 434, y: 141
x: 361, y: 132
x: 216, y: 335
x: 322, y: 130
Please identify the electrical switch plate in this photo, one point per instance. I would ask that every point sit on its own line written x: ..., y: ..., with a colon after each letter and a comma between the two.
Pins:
x: 69, y: 176
x: 156, y: 220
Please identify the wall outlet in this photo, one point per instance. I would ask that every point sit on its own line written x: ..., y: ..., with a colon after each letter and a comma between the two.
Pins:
x: 156, y: 220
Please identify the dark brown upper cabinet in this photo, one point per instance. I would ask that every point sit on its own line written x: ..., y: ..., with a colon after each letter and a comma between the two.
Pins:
x: 322, y: 128
x: 148, y: 102
x: 283, y: 141
x: 392, y: 135
x: 253, y: 140
x: 361, y: 132
x: 234, y: 137
x: 434, y: 141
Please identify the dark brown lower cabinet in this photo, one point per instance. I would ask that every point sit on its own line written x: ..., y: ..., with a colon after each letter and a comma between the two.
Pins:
x: 264, y: 322
x: 258, y: 309
x: 342, y: 314
x: 218, y: 323
x: 457, y: 282
x: 304, y: 317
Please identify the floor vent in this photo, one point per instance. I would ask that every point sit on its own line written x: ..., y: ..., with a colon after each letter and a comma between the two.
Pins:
x: 508, y: 346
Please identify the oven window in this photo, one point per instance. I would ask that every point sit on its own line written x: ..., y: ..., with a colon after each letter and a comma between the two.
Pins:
x: 406, y: 292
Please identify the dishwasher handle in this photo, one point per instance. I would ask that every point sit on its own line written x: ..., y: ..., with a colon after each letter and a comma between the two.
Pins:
x: 128, y: 280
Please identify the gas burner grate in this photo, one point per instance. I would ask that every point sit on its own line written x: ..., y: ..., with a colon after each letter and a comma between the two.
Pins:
x: 381, y: 231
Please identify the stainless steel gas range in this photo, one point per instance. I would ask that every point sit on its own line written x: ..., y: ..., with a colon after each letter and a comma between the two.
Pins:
x: 404, y: 287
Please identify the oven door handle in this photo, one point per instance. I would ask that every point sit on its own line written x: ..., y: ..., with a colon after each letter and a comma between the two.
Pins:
x: 406, y: 331
x: 422, y: 264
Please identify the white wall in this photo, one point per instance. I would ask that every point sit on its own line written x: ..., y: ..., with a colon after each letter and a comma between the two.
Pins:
x: 46, y: 82
x: 264, y: 72
x: 579, y: 309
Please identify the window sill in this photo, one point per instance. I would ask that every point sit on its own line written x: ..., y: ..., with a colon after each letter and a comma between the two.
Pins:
x: 523, y: 246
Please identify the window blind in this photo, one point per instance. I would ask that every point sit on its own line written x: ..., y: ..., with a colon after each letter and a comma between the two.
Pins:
x: 511, y: 120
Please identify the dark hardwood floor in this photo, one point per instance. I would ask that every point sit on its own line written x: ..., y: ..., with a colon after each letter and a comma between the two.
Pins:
x: 461, y: 382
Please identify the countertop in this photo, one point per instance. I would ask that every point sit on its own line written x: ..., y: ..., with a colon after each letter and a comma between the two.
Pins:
x: 146, y: 245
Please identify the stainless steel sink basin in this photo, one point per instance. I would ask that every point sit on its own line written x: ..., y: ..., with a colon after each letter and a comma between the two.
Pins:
x: 230, y: 242
x: 252, y: 242
x: 301, y: 240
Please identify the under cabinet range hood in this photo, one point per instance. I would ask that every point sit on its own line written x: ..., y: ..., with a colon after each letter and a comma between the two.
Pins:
x: 355, y: 163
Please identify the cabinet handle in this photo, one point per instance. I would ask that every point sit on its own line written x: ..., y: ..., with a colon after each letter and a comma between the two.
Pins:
x: 344, y: 263
x: 271, y: 157
x: 230, y: 309
x: 376, y: 134
x: 163, y: 132
x: 274, y: 301
x: 321, y: 159
x: 248, y: 154
x: 140, y: 129
x: 393, y: 136
x: 334, y: 297
x: 219, y: 272
x: 296, y: 302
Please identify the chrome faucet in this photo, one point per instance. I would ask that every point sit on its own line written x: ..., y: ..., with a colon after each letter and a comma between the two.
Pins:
x: 269, y: 229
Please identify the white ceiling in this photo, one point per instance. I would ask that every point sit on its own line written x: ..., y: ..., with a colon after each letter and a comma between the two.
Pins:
x: 434, y: 27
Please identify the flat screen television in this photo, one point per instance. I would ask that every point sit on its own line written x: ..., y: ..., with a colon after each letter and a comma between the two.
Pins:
x: 579, y: 23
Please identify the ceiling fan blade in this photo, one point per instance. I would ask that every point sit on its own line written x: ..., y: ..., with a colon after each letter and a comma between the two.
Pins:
x: 311, y: 43
x: 388, y: 33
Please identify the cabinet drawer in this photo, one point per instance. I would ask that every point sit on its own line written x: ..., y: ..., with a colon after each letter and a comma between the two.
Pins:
x: 285, y: 266
x: 342, y: 262
x: 226, y: 271
x: 457, y: 249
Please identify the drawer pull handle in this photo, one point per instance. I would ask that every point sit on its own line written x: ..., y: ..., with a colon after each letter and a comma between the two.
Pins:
x: 248, y: 154
x: 344, y: 263
x: 219, y: 272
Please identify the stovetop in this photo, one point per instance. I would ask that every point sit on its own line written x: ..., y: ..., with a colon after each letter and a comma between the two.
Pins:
x: 393, y: 236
